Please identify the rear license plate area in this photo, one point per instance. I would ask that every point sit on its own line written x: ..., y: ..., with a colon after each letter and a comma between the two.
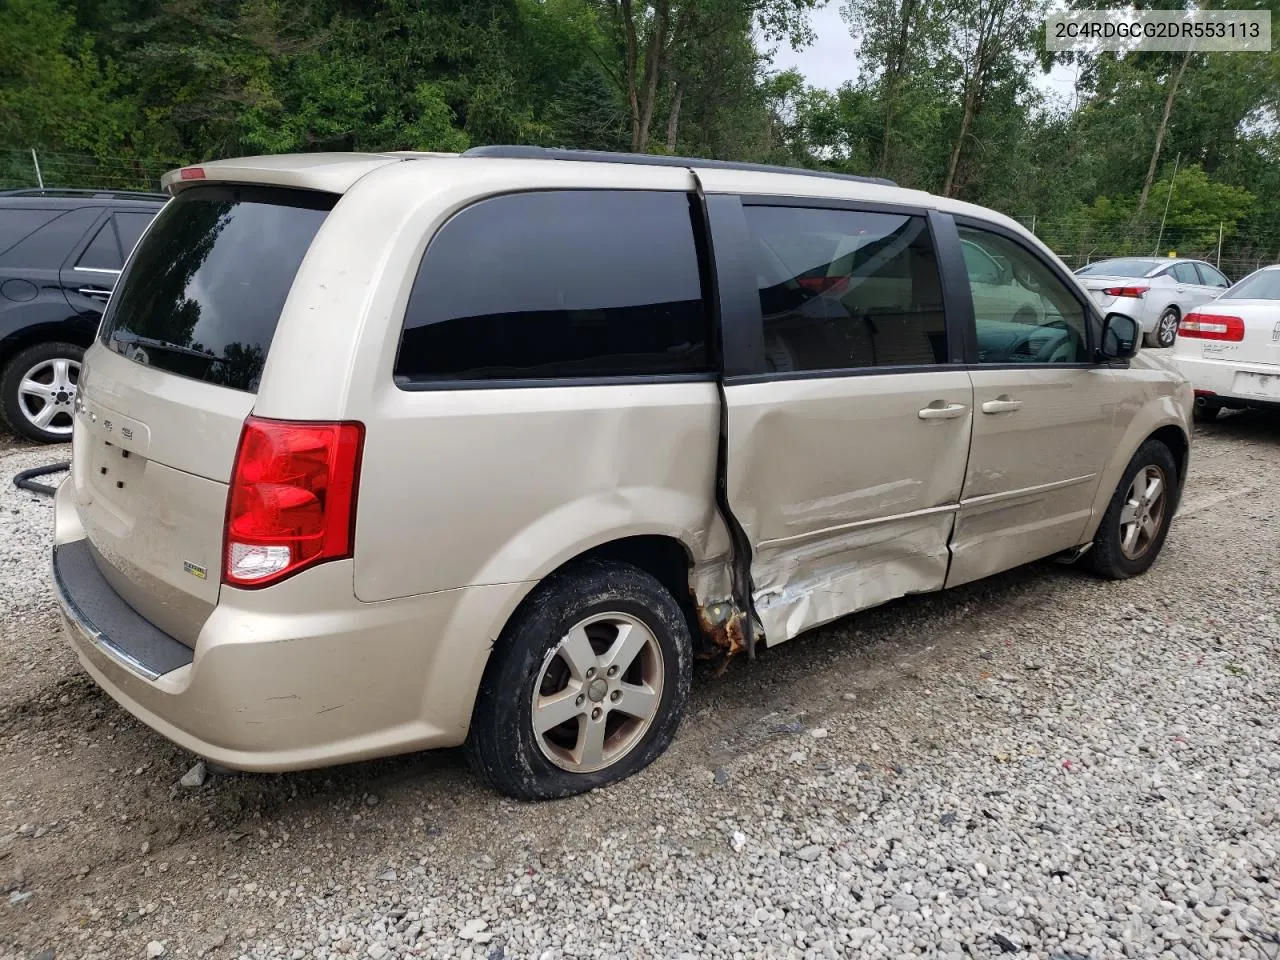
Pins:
x: 1257, y: 385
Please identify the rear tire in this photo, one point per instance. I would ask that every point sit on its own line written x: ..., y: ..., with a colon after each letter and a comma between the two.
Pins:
x: 1134, y: 528
x: 1206, y: 412
x: 55, y: 365
x: 1166, y: 331
x: 603, y: 648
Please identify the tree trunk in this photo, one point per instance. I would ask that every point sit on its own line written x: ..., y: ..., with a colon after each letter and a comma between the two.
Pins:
x: 1160, y: 132
x: 629, y: 36
x: 970, y: 99
x: 652, y: 68
x: 894, y: 70
x: 673, y: 117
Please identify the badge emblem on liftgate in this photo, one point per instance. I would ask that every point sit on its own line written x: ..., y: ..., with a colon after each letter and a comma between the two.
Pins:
x: 1275, y: 333
x: 195, y: 569
x: 126, y: 433
x: 106, y: 425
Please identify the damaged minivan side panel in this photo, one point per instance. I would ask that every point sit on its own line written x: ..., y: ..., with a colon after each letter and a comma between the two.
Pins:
x: 848, y: 427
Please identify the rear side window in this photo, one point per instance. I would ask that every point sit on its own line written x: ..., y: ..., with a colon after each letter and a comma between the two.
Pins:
x: 1184, y: 273
x: 844, y: 289
x: 47, y: 246
x: 203, y: 294
x: 555, y: 284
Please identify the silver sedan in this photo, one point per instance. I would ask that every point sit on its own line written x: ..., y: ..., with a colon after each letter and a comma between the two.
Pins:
x: 1155, y: 291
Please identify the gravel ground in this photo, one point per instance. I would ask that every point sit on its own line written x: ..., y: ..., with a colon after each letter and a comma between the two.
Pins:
x: 1040, y: 765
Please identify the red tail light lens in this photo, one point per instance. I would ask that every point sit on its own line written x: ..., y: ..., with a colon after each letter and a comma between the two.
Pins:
x: 292, y: 502
x: 1210, y: 326
x: 191, y: 173
x: 1135, y: 292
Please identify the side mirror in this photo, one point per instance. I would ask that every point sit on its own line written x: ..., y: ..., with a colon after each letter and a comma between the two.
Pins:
x: 1119, y: 337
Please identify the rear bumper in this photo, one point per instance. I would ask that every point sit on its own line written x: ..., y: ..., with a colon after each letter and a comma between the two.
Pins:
x: 294, y: 676
x: 1140, y: 311
x: 1219, y: 377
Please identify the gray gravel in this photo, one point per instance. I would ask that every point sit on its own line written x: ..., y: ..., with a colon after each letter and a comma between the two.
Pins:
x: 1043, y: 765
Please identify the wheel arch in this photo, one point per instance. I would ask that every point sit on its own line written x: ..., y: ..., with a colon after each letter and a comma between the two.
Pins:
x: 665, y: 557
x: 1170, y: 430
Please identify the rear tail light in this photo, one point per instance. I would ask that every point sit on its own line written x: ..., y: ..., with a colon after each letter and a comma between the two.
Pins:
x: 1135, y: 292
x: 1210, y: 326
x: 292, y: 502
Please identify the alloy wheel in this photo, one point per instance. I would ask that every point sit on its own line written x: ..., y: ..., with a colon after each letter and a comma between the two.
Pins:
x: 598, y: 692
x: 1142, y: 515
x: 47, y: 395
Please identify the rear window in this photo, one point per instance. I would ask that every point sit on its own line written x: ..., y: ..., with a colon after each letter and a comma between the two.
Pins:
x: 202, y: 295
x: 558, y: 284
x: 1263, y: 285
x: 1118, y: 268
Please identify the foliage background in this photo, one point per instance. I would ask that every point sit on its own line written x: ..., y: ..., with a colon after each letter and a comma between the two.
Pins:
x: 112, y: 92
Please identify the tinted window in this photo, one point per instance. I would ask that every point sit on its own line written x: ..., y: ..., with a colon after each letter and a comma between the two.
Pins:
x: 103, y: 252
x: 1211, y: 277
x: 1029, y: 315
x: 203, y: 293
x: 842, y: 289
x: 51, y: 244
x: 1263, y: 285
x: 1119, y: 268
x: 558, y: 284
x: 129, y: 227
x: 17, y: 224
x: 1184, y: 273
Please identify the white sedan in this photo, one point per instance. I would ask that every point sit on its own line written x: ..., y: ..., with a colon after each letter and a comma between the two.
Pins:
x: 1230, y: 348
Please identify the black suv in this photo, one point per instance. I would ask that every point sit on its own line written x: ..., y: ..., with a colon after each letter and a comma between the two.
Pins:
x: 60, y: 254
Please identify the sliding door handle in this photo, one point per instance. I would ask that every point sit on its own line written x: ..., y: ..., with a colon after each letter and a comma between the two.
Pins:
x: 1002, y: 404
x: 940, y: 410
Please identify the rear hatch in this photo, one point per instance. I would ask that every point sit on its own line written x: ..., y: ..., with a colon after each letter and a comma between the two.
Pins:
x: 167, y: 387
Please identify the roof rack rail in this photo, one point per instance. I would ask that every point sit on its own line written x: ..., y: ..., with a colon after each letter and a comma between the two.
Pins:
x: 73, y: 192
x: 649, y: 159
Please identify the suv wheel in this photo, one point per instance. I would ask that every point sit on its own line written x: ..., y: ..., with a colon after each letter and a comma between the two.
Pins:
x: 38, y: 391
x: 1137, y: 521
x: 1166, y: 331
x: 585, y: 686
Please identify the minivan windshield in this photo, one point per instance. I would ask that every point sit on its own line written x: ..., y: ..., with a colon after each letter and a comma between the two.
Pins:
x: 1263, y: 285
x: 202, y: 294
x: 1125, y: 267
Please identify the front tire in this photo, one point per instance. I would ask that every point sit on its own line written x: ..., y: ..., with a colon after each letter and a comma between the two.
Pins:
x: 38, y: 391
x: 586, y: 685
x: 1134, y: 528
x: 1166, y: 331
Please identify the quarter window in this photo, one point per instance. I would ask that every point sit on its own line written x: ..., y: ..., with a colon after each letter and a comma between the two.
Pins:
x: 554, y: 284
x: 844, y: 289
x: 103, y: 252
x: 1026, y: 314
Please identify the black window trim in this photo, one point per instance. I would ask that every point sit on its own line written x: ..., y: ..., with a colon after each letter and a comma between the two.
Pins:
x: 742, y: 322
x: 1093, y: 320
x: 706, y: 276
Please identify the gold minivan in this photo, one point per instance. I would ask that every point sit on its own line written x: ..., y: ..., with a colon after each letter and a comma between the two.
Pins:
x: 378, y: 453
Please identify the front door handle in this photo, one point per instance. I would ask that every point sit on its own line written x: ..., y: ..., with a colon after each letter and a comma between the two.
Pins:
x: 941, y: 410
x: 1002, y: 404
